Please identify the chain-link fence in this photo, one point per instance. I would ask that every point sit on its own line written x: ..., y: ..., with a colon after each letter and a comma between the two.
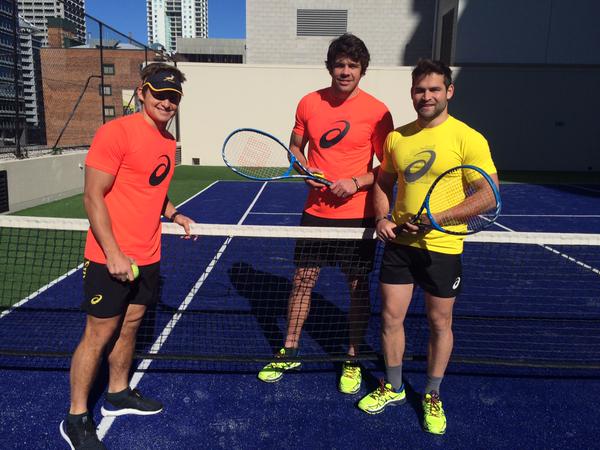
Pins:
x: 67, y: 82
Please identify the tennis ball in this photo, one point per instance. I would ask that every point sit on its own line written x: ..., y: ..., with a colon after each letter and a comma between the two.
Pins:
x: 136, y: 271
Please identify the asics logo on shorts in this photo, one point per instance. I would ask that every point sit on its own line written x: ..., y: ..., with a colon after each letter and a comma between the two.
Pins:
x: 422, y: 166
x: 456, y: 283
x: 337, y: 133
x: 160, y: 172
x: 96, y: 299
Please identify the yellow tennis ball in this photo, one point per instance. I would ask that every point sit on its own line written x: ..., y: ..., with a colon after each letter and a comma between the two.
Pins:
x: 136, y: 271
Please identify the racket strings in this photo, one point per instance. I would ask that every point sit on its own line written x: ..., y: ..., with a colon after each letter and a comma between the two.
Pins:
x: 255, y: 155
x: 463, y: 200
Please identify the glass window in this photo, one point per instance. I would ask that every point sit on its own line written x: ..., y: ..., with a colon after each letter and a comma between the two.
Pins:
x: 108, y: 69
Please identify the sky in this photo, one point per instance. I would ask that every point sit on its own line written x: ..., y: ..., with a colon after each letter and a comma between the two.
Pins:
x: 226, y: 18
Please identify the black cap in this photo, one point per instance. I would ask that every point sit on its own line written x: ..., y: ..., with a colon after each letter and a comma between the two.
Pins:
x: 163, y: 81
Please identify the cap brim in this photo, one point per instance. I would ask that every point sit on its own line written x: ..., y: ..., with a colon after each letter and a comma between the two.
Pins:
x: 147, y: 83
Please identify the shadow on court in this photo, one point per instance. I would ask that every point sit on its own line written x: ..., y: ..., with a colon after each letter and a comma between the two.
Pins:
x: 268, y: 295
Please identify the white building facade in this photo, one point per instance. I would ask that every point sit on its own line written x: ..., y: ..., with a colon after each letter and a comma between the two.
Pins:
x: 168, y: 20
x: 36, y: 13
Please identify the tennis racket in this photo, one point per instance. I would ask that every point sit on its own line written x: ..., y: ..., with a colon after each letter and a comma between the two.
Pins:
x: 257, y: 155
x: 461, y: 201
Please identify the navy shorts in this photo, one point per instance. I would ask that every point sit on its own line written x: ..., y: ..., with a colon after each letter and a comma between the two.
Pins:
x: 439, y: 274
x: 352, y: 256
x: 105, y: 296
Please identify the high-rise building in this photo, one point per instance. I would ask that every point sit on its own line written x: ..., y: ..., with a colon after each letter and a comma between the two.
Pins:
x: 171, y: 19
x: 11, y: 84
x: 37, y: 12
x: 31, y: 42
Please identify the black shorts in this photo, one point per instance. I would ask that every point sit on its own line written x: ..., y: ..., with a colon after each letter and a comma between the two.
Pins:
x: 439, y: 274
x: 352, y: 256
x: 105, y: 296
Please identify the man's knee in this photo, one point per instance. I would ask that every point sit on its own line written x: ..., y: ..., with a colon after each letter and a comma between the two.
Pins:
x: 133, y: 319
x: 440, y: 323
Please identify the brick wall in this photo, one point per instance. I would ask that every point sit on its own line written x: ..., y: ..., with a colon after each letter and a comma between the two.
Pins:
x: 64, y: 74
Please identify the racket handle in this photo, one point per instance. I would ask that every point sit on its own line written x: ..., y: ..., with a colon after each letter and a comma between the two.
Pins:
x: 416, y: 220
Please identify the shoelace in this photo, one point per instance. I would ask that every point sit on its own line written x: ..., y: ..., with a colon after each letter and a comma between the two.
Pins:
x: 280, y: 365
x: 433, y: 405
x: 351, y: 370
x: 380, y: 392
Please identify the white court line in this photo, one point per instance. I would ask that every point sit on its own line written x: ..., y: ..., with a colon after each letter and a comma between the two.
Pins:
x: 39, y: 291
x: 563, y: 255
x: 586, y: 188
x: 107, y: 422
x: 72, y: 271
x: 275, y: 214
x: 593, y: 216
x: 198, y: 193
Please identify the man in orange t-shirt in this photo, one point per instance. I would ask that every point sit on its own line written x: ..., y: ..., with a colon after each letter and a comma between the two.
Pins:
x: 344, y: 128
x: 128, y: 170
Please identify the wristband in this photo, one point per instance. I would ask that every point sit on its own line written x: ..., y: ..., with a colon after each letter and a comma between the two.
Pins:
x: 175, y: 214
x: 356, y: 183
x: 379, y: 219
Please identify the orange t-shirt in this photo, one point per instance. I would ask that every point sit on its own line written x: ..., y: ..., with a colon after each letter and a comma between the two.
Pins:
x: 342, y: 137
x: 142, y: 161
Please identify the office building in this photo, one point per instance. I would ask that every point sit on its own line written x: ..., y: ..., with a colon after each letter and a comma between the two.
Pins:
x: 168, y: 20
x: 31, y: 43
x: 9, y: 81
x: 37, y: 13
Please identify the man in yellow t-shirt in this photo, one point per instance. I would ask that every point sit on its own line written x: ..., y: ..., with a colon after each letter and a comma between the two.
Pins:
x: 414, y: 156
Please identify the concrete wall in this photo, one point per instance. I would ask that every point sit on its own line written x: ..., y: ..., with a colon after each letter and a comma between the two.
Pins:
x: 531, y: 116
x: 527, y: 31
x: 396, y: 32
x: 222, y: 97
x: 41, y: 180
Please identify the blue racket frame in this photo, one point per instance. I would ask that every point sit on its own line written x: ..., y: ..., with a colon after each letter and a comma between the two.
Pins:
x: 436, y: 226
x: 287, y: 174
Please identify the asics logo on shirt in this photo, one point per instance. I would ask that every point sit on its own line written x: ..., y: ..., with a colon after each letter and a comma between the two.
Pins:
x: 337, y: 135
x: 422, y: 165
x: 160, y: 172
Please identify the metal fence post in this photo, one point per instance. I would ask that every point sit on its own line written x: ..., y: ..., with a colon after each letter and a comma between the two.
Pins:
x: 100, y: 26
x: 16, y: 77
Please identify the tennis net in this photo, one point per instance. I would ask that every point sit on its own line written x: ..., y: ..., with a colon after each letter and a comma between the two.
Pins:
x: 529, y: 299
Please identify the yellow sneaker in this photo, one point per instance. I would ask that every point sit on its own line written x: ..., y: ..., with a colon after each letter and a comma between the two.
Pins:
x: 273, y: 371
x: 434, y: 420
x: 384, y: 395
x: 350, y: 379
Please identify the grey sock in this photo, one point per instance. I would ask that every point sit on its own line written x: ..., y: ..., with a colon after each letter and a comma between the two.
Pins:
x: 433, y: 384
x: 291, y: 351
x: 394, y: 377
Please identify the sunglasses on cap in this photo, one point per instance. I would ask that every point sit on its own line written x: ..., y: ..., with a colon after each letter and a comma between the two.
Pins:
x: 172, y: 96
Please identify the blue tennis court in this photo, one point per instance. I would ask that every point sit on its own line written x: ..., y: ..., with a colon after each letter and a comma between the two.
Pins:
x: 222, y: 404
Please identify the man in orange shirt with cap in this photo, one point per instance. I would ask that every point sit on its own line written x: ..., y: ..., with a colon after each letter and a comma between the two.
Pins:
x: 343, y: 127
x: 128, y: 170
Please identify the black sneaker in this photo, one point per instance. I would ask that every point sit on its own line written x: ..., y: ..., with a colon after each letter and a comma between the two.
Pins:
x: 81, y: 435
x: 130, y: 401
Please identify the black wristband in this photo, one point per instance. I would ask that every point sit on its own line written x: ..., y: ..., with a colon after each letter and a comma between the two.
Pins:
x: 175, y: 214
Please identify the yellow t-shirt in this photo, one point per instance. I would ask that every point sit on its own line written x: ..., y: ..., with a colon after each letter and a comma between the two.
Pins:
x: 418, y: 156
